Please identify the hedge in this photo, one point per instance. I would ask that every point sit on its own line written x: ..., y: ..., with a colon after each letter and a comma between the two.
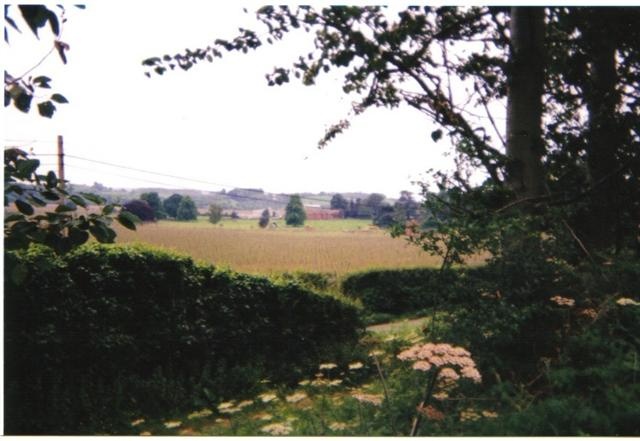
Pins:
x: 106, y: 332
x: 398, y: 291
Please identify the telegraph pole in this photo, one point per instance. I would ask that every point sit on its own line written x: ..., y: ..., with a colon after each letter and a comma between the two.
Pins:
x: 61, y: 160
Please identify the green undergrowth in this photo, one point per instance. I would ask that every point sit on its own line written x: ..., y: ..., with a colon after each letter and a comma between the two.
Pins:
x: 104, y: 331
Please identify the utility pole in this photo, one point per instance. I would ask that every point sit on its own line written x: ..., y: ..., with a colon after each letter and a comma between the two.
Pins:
x: 61, y: 160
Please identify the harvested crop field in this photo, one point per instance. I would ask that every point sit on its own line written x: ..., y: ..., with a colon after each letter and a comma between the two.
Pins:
x: 322, y: 246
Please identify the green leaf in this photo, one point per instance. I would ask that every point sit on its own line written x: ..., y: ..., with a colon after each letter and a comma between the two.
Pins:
x: 108, y: 209
x: 22, y: 101
x: 37, y: 201
x: 46, y: 109
x: 128, y: 220
x: 59, y: 98
x: 24, y: 207
x: 66, y: 207
x: 98, y: 200
x: 50, y: 195
x: 102, y: 233
x: 78, y: 200
x: 14, y: 217
x: 77, y: 236
x: 52, y: 179
x: 27, y: 167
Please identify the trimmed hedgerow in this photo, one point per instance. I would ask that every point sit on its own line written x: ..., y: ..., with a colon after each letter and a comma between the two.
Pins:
x: 108, y: 330
x: 399, y: 291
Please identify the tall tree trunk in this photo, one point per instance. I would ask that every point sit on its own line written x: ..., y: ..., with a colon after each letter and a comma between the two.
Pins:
x: 525, y: 147
x: 602, y: 101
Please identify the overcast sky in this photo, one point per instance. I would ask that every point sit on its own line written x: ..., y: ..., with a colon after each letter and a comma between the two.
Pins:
x: 219, y: 123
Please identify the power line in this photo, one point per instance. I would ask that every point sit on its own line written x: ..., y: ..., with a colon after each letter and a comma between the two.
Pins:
x: 217, y: 184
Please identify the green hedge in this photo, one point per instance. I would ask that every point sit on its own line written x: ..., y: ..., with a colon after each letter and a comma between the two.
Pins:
x: 108, y: 331
x: 399, y: 291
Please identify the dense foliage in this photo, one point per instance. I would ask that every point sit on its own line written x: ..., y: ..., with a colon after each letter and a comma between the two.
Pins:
x: 264, y: 218
x: 104, y: 332
x: 401, y: 291
x: 294, y: 212
x: 187, y: 210
x: 155, y: 202
x: 61, y: 228
x: 140, y: 208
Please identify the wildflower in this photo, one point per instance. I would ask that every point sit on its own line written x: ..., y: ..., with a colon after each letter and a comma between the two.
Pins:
x: 431, y: 412
x: 245, y: 403
x: 449, y: 374
x: 356, y: 365
x: 145, y: 433
x: 228, y: 407
x: 489, y: 414
x: 268, y: 397
x: 376, y: 353
x: 563, y: 301
x: 471, y: 373
x: 304, y: 382
x: 172, y: 424
x: 200, y: 414
x: 298, y: 396
x: 263, y: 416
x: 327, y: 366
x: 137, y: 422
x: 334, y: 382
x: 469, y: 414
x: 376, y: 400
x: 624, y: 301
x: 589, y: 313
x: 319, y: 382
x: 421, y: 365
x: 335, y: 426
x: 277, y: 429
x: 440, y: 395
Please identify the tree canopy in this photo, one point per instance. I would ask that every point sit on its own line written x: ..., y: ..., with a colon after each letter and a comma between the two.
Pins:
x: 569, y: 77
x: 294, y: 212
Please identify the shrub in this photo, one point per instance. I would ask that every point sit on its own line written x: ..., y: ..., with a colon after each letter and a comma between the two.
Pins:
x: 187, y: 210
x: 400, y: 291
x: 215, y: 213
x: 106, y: 331
x: 140, y: 208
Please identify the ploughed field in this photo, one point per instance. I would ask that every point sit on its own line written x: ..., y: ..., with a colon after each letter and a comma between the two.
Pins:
x: 336, y: 246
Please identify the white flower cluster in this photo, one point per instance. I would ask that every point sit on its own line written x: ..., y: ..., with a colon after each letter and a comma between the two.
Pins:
x: 445, y: 357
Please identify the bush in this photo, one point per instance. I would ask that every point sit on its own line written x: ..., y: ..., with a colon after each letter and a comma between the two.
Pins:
x: 140, y: 208
x: 187, y: 210
x: 105, y: 332
x: 400, y: 291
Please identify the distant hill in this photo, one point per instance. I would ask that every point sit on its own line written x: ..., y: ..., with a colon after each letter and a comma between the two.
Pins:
x: 236, y: 199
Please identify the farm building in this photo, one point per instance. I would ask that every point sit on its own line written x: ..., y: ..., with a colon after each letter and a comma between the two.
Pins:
x: 317, y: 213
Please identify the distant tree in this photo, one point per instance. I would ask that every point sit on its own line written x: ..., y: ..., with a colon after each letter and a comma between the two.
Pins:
x: 215, y: 213
x: 235, y: 215
x: 264, y: 219
x: 154, y: 201
x: 385, y: 217
x: 140, y: 208
x: 171, y: 205
x: 294, y: 213
x: 373, y: 202
x: 406, y: 208
x: 338, y: 202
x: 187, y: 210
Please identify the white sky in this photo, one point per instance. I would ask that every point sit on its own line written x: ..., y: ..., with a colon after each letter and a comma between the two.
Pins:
x: 218, y: 122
